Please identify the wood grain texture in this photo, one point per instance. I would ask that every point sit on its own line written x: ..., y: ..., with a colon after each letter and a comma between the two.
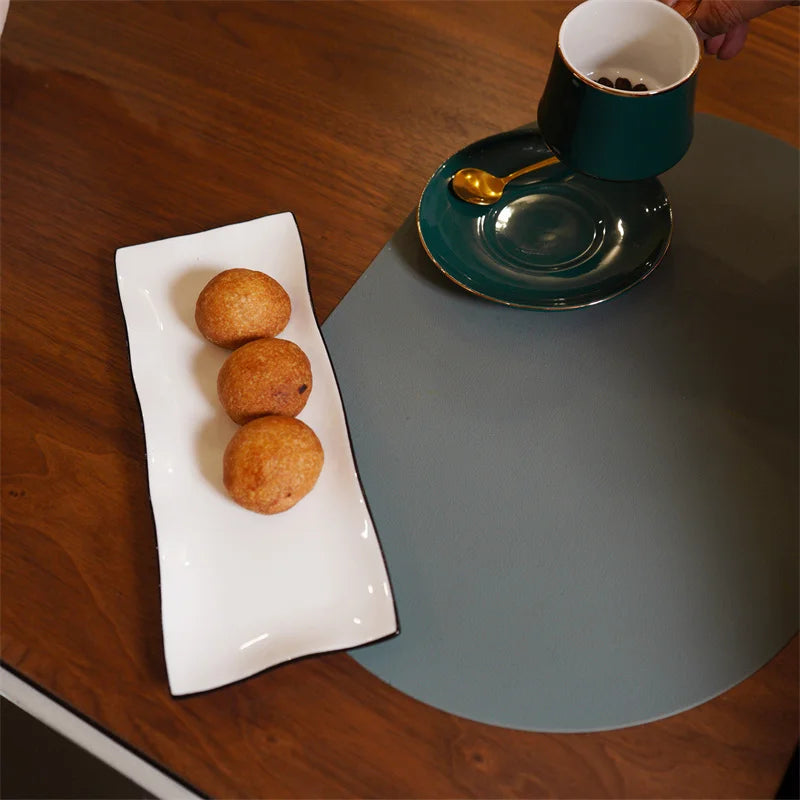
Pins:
x: 127, y: 122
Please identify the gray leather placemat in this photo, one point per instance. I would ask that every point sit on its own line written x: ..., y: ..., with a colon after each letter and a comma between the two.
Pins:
x: 590, y: 517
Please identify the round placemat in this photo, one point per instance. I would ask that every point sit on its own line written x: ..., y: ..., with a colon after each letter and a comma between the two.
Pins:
x: 590, y: 518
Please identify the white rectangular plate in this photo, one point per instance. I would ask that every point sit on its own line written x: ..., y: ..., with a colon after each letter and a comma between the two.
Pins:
x: 242, y: 591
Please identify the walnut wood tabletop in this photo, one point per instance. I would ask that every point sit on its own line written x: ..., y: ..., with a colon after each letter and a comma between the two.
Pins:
x: 124, y: 122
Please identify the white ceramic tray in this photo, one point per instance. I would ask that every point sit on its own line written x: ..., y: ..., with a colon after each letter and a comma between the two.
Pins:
x: 242, y: 591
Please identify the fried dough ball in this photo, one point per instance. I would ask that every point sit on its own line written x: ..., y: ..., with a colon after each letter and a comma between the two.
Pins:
x: 271, y: 463
x: 240, y: 305
x: 265, y: 377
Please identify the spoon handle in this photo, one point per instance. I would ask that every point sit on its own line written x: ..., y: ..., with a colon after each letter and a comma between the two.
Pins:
x: 531, y: 168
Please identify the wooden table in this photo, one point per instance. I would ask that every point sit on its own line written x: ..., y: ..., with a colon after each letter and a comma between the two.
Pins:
x: 124, y: 122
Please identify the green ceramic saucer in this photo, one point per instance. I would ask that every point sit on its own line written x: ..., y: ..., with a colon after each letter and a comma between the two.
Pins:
x: 556, y: 240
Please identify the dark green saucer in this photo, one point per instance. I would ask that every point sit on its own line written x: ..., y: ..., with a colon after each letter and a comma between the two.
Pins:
x: 556, y: 240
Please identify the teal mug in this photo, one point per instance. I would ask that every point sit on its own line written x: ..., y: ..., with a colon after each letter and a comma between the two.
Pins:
x: 619, y: 100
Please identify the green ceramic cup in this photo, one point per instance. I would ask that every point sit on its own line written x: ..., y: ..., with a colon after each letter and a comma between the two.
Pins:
x: 616, y: 133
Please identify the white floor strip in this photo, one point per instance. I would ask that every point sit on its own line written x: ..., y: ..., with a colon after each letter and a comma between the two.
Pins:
x: 90, y: 738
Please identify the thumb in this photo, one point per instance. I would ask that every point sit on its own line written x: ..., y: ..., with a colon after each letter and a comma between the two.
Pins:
x: 715, y: 17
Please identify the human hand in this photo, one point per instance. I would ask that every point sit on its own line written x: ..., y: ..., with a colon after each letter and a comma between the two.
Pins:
x: 723, y: 23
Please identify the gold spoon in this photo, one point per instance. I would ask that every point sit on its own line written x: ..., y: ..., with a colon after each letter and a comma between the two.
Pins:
x: 482, y: 188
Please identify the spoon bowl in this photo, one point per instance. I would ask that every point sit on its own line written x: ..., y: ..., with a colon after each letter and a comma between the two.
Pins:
x: 477, y: 186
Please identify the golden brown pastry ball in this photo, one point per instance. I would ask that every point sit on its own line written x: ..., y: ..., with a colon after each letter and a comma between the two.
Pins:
x: 268, y: 376
x: 240, y: 305
x: 271, y: 463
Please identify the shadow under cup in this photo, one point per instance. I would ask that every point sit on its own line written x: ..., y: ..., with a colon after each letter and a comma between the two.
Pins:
x: 614, y: 133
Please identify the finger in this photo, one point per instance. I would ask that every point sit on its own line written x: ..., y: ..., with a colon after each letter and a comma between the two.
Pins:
x: 713, y: 44
x: 720, y: 16
x: 734, y: 42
